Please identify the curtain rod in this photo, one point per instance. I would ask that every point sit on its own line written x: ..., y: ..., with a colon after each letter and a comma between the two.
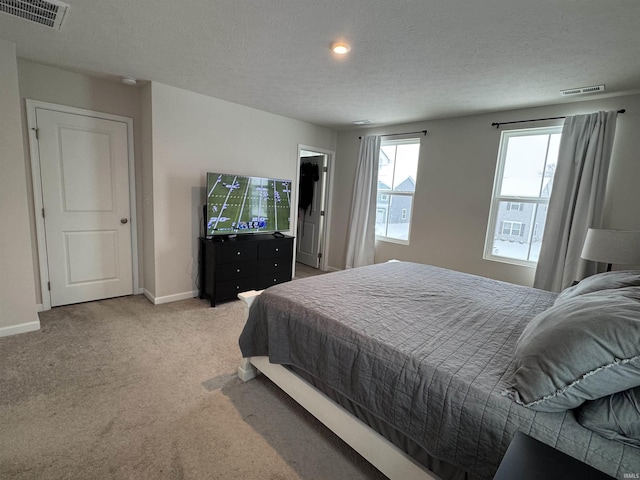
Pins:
x: 497, y: 124
x: 406, y: 133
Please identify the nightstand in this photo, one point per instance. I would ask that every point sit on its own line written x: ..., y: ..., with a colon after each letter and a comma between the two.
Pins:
x: 529, y: 459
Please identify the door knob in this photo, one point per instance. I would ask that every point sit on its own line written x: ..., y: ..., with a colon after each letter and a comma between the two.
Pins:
x: 123, y: 220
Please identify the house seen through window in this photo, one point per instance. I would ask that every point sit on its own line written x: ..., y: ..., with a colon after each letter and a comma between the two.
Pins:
x: 522, y: 187
x: 512, y: 228
x: 397, y: 172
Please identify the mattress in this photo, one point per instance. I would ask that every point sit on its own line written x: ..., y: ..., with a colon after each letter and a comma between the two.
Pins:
x: 427, y: 350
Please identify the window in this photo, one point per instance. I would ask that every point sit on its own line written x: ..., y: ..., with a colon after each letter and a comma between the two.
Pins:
x: 521, y: 190
x: 397, y: 172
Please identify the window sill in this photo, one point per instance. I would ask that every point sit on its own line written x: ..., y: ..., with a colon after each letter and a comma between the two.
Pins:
x: 511, y: 261
x: 392, y: 240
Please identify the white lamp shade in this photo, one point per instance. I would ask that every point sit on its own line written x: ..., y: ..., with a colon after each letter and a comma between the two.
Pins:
x: 620, y: 247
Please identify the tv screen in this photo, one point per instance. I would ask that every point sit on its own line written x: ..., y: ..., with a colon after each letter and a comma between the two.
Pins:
x: 243, y: 204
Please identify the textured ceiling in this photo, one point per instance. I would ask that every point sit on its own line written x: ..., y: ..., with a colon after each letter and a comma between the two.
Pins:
x: 409, y: 60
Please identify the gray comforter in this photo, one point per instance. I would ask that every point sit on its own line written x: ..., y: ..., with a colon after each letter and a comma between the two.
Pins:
x: 429, y: 351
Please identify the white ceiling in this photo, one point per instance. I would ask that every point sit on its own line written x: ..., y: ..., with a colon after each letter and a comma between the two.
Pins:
x: 410, y: 59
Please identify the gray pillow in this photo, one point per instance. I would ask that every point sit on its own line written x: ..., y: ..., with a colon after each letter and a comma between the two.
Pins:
x: 616, y: 416
x: 579, y: 349
x: 601, y: 281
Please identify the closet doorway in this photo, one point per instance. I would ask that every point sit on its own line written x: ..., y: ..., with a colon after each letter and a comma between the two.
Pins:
x: 313, y: 181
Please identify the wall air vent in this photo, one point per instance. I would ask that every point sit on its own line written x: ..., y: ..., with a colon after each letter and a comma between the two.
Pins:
x: 49, y: 13
x: 582, y: 90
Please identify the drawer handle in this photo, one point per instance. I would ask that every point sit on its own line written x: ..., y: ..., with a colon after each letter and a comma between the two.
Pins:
x: 238, y: 253
x: 277, y: 249
x: 237, y: 287
x: 238, y: 270
x: 274, y: 280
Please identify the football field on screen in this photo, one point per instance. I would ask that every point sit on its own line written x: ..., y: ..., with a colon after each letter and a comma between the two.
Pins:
x: 248, y: 204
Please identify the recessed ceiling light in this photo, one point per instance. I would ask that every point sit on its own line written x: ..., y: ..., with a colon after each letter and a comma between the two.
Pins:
x: 129, y: 81
x: 363, y: 122
x: 340, y: 48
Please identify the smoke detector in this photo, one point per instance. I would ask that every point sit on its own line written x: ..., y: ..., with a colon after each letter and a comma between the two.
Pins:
x: 129, y: 81
x: 49, y: 13
x: 362, y: 122
x: 582, y: 90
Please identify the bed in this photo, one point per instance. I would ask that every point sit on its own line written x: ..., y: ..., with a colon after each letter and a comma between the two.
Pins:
x: 425, y: 359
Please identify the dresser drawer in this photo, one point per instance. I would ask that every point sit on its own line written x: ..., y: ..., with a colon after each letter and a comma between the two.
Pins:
x: 269, y: 279
x: 275, y: 264
x: 236, y: 252
x: 229, y: 289
x: 232, y: 271
x: 275, y: 248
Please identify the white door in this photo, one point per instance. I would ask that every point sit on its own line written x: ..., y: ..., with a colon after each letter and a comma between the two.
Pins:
x: 310, y: 222
x: 84, y: 167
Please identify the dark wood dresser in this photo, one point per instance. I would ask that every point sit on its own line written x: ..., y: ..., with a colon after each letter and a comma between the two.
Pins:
x: 246, y: 262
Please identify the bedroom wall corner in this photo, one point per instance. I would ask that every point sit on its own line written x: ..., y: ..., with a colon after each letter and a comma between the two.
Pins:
x: 623, y: 194
x: 146, y: 147
x: 18, y: 310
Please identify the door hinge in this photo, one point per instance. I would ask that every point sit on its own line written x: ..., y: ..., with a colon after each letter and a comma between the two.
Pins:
x: 43, y: 213
x: 37, y: 134
x: 319, y: 255
x: 322, y: 213
x: 49, y: 285
x: 325, y: 169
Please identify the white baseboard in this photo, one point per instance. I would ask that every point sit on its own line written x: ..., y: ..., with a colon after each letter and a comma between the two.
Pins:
x: 136, y: 291
x: 21, y: 328
x: 333, y: 269
x: 147, y: 294
x: 170, y: 298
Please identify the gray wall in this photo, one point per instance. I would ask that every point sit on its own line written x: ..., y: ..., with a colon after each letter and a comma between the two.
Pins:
x: 455, y: 180
x: 146, y: 139
x: 17, y: 283
x: 193, y: 134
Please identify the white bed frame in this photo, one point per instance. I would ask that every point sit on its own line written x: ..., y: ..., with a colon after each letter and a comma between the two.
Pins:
x: 376, y: 449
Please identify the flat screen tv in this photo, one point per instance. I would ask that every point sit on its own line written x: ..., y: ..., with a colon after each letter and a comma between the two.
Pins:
x: 238, y: 204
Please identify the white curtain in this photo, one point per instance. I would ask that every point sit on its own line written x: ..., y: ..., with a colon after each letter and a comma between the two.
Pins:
x: 576, y: 199
x: 362, y: 222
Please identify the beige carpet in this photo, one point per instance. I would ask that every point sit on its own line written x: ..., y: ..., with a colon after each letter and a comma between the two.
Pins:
x: 123, y: 389
x: 303, y: 271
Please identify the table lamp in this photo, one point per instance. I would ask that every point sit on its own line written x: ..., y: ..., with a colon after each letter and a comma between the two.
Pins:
x: 612, y: 246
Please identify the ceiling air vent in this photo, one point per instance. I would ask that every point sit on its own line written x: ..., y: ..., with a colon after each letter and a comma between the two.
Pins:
x: 582, y: 90
x: 49, y: 13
